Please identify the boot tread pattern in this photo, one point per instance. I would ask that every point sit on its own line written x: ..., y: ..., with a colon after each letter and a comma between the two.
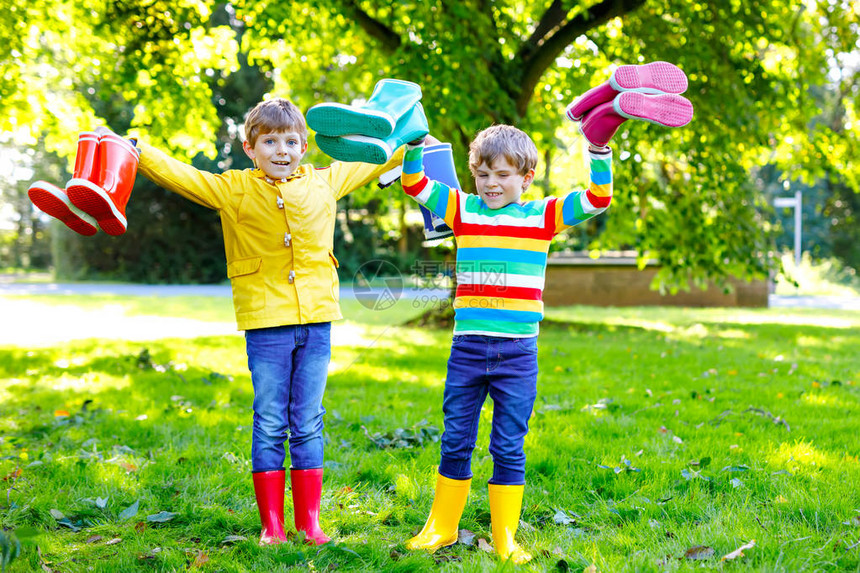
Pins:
x: 338, y: 119
x: 656, y: 77
x: 101, y: 208
x: 55, y: 207
x: 669, y: 110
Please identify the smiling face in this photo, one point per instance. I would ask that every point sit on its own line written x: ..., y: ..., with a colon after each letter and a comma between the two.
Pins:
x: 500, y: 183
x: 277, y: 154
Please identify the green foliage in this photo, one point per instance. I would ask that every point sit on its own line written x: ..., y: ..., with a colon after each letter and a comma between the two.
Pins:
x: 772, y: 81
x: 10, y: 549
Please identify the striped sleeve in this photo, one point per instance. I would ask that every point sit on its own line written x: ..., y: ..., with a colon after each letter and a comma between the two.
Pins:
x: 438, y: 197
x: 580, y: 206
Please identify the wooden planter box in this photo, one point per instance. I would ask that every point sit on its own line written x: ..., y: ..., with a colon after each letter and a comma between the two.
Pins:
x: 616, y: 281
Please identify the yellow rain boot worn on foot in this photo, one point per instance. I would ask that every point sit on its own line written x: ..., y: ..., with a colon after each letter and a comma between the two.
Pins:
x: 442, y: 525
x: 506, y: 501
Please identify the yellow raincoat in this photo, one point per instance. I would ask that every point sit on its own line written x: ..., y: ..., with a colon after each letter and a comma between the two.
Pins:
x: 278, y: 236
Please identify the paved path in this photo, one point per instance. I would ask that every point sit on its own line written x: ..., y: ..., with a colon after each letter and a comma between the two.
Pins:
x: 12, y: 288
x: 30, y: 323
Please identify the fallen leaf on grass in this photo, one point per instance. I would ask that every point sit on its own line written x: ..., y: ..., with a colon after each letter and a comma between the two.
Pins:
x: 562, y: 518
x: 484, y: 546
x: 14, y: 475
x: 95, y: 538
x: 466, y: 537
x: 114, y: 541
x: 65, y: 521
x: 151, y: 555
x: 231, y: 539
x: 161, y: 517
x: 699, y: 552
x: 130, y: 511
x: 739, y: 552
x: 201, y: 560
x: 60, y: 413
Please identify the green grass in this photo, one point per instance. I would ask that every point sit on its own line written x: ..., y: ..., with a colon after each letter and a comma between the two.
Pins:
x: 656, y: 430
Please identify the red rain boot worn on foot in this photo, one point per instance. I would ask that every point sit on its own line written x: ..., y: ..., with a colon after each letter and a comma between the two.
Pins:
x: 54, y: 201
x: 269, y: 490
x: 114, y: 178
x: 653, y: 78
x: 668, y: 110
x: 307, y: 490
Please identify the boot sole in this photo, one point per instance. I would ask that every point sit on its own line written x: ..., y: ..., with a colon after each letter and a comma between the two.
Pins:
x: 668, y: 110
x: 355, y: 148
x: 335, y: 119
x: 57, y: 205
x: 653, y: 78
x: 96, y: 202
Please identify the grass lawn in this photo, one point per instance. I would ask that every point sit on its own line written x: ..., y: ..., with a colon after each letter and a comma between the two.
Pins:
x: 662, y: 440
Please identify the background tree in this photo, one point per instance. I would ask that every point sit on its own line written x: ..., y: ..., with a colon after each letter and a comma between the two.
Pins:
x: 685, y: 197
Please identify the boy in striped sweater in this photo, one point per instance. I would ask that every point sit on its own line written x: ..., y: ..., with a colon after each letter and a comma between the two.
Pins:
x: 502, y: 245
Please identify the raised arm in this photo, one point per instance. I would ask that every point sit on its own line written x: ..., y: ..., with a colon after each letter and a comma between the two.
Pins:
x: 579, y: 206
x: 436, y: 196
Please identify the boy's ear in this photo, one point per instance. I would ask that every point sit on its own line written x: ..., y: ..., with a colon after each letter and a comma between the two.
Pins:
x: 249, y: 151
x: 528, y: 178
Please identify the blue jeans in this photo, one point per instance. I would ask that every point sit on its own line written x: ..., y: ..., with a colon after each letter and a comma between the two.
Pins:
x: 507, y: 369
x: 289, y: 367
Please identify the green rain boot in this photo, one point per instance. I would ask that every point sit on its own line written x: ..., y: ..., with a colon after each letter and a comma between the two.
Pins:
x: 377, y: 117
x: 442, y: 525
x: 506, y: 501
x: 412, y: 126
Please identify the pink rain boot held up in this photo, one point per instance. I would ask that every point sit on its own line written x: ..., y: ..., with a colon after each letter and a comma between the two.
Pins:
x: 668, y: 110
x: 653, y: 78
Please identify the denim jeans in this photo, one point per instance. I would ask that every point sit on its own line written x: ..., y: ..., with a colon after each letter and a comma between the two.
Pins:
x: 289, y: 367
x: 507, y: 369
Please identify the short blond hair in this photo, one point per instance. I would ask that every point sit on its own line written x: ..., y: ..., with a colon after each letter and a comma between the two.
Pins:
x: 503, y: 140
x: 274, y: 116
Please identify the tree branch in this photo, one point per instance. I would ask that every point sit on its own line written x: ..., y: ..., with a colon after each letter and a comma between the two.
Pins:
x: 542, y: 58
x: 551, y: 19
x: 388, y: 38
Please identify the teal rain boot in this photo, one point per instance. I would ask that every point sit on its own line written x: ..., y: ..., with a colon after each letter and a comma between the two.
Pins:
x: 366, y: 149
x: 378, y: 117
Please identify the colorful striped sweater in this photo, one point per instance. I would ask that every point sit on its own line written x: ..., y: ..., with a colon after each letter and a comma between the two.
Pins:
x: 502, y: 253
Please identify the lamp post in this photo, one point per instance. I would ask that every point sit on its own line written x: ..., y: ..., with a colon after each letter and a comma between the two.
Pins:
x: 794, y: 203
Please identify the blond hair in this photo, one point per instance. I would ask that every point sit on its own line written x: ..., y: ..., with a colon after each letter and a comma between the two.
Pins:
x: 506, y: 141
x: 274, y: 116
